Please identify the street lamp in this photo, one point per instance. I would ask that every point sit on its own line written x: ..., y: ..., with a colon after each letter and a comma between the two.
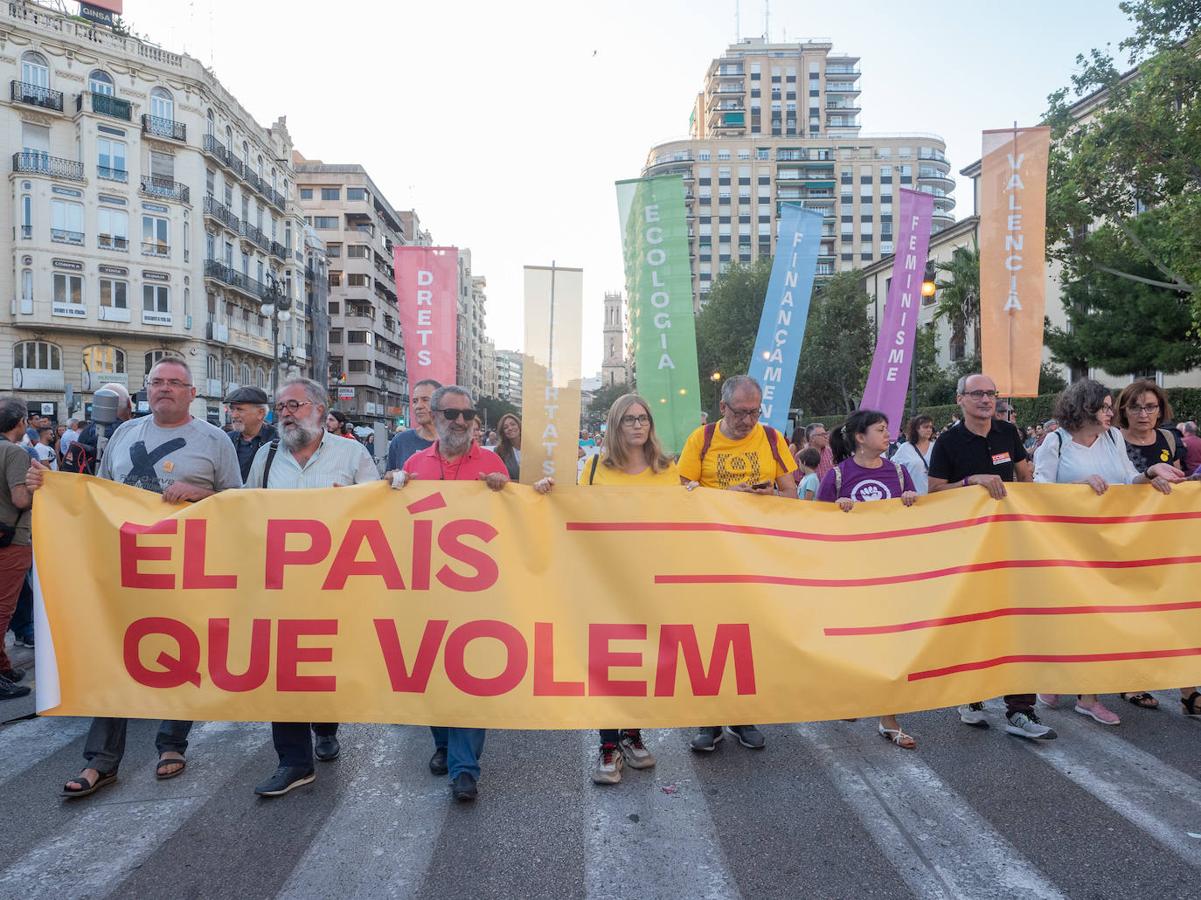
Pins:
x: 715, y: 377
x: 277, y: 307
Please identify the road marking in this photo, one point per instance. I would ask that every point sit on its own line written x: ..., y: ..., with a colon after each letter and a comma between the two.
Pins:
x: 101, y: 848
x: 1160, y: 799
x: 939, y: 844
x: 395, y: 800
x: 25, y: 744
x: 635, y: 828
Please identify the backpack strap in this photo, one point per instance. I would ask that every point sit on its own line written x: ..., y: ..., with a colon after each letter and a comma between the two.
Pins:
x: 270, y: 460
x: 592, y: 470
x: 1171, y: 439
x: 837, y: 480
x: 709, y: 431
x: 900, y: 474
x: 773, y: 442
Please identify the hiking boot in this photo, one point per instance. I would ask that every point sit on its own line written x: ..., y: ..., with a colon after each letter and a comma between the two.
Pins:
x: 1027, y: 725
x: 973, y: 714
x: 707, y: 739
x: 608, y: 765
x: 11, y: 691
x: 635, y: 752
x: 748, y: 736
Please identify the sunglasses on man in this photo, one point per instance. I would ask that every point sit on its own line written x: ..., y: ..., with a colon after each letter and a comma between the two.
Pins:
x: 452, y: 415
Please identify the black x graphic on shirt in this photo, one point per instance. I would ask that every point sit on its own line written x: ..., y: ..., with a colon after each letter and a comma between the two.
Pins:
x: 142, y: 473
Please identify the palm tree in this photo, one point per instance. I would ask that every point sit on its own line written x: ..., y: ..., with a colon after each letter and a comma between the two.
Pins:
x: 959, y: 294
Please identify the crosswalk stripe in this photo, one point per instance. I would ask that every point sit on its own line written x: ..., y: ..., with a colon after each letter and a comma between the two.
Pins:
x: 1160, y: 799
x: 636, y: 829
x: 100, y: 848
x: 936, y: 841
x: 25, y: 744
x: 395, y: 802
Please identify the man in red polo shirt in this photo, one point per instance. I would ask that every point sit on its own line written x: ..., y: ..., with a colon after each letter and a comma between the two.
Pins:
x: 454, y: 456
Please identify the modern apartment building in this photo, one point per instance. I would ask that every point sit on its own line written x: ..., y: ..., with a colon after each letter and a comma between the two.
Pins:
x: 779, y: 123
x: 316, y: 287
x: 509, y: 376
x: 471, y: 330
x: 360, y: 228
x: 149, y: 216
x: 613, y: 360
x: 488, y: 360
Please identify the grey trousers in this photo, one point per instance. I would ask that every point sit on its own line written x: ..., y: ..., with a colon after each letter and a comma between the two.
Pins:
x: 106, y: 741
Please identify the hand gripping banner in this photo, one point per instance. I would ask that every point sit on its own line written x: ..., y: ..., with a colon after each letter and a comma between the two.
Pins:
x: 448, y: 604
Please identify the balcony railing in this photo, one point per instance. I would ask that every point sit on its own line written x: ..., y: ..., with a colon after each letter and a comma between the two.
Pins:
x: 36, y: 95
x: 164, y: 128
x: 105, y: 105
x: 166, y: 189
x: 113, y: 242
x: 36, y: 162
x: 221, y: 213
x: 278, y: 251
x: 155, y: 248
x: 254, y: 235
x: 217, y: 150
x: 110, y: 174
x: 63, y: 236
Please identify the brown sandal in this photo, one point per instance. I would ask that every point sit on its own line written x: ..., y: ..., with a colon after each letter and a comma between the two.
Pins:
x: 1192, y: 705
x: 1141, y: 699
x: 898, y: 737
x: 162, y: 773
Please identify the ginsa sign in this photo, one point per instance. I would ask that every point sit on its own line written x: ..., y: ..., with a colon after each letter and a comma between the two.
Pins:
x: 309, y: 545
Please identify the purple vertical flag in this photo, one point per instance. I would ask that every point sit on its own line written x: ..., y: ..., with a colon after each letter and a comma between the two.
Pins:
x: 889, y: 378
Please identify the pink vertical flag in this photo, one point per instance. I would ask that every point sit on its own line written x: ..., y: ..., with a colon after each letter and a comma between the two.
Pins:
x: 427, y: 288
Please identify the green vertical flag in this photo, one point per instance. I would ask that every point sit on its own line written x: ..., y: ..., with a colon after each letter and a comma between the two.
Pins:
x: 654, y: 235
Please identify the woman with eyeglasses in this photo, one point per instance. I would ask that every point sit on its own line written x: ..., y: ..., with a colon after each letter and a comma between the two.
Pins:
x: 1142, y: 408
x: 508, y: 448
x: 632, y: 456
x: 1087, y: 449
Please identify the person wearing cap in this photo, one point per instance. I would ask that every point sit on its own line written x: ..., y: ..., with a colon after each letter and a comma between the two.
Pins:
x: 248, y: 424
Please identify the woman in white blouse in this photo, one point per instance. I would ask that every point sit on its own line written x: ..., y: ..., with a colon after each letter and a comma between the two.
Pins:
x: 1087, y: 449
x: 914, y: 454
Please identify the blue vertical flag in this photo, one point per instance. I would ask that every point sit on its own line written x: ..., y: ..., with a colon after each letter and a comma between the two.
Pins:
x: 785, y: 310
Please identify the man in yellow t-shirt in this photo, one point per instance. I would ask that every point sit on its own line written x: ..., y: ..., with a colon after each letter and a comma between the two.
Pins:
x: 737, y: 453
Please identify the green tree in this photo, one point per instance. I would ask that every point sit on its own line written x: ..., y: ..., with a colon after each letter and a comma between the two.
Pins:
x: 1133, y: 165
x: 837, y: 352
x: 602, y: 399
x: 492, y: 408
x: 959, y: 295
x: 727, y: 326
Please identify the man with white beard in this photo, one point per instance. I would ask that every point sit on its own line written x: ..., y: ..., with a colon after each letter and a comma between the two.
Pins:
x: 305, y: 456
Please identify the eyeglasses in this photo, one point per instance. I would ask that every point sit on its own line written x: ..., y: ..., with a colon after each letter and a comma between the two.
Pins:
x: 1106, y: 408
x: 1144, y: 410
x: 1004, y: 411
x: 173, y: 383
x: 744, y: 413
x: 292, y: 405
x: 981, y: 395
x: 635, y: 420
x: 452, y: 415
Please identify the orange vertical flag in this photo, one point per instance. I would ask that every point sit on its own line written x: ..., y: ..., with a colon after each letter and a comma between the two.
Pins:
x: 1013, y: 258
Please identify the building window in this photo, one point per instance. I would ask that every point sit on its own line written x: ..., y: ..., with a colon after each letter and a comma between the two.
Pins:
x: 101, y: 359
x: 110, y: 159
x: 162, y: 106
x: 66, y: 222
x: 353, y: 280
x: 260, y: 378
x: 358, y: 337
x: 35, y: 70
x: 26, y: 216
x: 326, y: 223
x: 68, y: 289
x: 114, y: 294
x: 114, y: 228
x: 306, y: 193
x: 357, y: 251
x: 100, y: 82
x: 27, y: 291
x: 155, y: 233
x: 37, y: 355
x: 244, y: 373
x: 353, y: 193
x: 156, y: 298
x: 334, y: 193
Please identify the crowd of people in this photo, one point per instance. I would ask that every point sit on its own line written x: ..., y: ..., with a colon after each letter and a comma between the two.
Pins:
x: 186, y: 459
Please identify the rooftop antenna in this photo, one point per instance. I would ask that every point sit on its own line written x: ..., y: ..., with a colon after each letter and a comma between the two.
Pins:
x: 767, y: 21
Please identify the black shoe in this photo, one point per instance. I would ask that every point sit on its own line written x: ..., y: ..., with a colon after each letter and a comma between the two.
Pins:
x: 327, y: 748
x: 707, y: 739
x: 748, y: 736
x: 284, y: 779
x: 438, y: 761
x: 10, y: 691
x: 13, y: 674
x: 463, y: 788
x: 25, y: 642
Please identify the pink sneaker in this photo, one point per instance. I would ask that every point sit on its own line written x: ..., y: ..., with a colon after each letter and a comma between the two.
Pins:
x: 1050, y: 701
x: 1098, y: 713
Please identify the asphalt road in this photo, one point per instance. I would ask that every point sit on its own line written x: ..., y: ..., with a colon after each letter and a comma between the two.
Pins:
x: 826, y: 810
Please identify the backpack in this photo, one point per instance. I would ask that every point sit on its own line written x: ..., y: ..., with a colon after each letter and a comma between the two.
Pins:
x: 79, y: 458
x: 838, y: 476
x: 772, y: 437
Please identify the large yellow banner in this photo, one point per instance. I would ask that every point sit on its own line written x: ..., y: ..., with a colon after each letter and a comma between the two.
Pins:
x: 446, y: 603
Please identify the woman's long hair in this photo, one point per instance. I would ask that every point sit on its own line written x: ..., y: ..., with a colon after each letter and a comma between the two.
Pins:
x: 504, y: 447
x: 617, y: 451
x: 842, y: 438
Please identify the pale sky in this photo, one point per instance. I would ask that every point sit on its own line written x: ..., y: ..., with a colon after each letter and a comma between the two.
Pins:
x: 506, y: 124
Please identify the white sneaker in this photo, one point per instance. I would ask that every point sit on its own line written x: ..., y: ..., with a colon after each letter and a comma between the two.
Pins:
x: 608, y: 766
x: 1027, y: 725
x: 634, y: 751
x: 973, y: 714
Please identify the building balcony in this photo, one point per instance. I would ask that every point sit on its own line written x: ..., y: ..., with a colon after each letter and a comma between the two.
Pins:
x: 108, y: 173
x: 33, y: 162
x: 164, y: 128
x: 113, y: 242
x: 218, y: 211
x: 218, y: 151
x: 278, y: 251
x: 940, y: 179
x: 104, y: 105
x: 729, y: 89
x: 156, y: 248
x: 251, y: 287
x: 840, y: 88
x: 166, y: 189
x: 842, y: 73
x: 217, y: 332
x: 36, y: 95
x: 255, y: 236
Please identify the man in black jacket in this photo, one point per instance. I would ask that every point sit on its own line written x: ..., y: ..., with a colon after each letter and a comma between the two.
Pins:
x: 248, y: 420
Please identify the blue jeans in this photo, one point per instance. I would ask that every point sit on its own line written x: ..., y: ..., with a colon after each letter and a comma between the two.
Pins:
x: 463, y: 746
x: 105, y: 744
